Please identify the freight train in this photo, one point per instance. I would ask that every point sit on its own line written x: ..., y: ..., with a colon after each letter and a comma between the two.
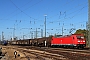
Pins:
x: 74, y: 40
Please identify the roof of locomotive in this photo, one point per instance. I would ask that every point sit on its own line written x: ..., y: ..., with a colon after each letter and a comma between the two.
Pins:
x: 68, y: 35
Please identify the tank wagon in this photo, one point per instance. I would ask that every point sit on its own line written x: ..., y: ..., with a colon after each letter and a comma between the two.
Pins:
x: 74, y: 40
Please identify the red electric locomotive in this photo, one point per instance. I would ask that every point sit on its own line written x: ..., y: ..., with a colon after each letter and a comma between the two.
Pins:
x: 74, y: 40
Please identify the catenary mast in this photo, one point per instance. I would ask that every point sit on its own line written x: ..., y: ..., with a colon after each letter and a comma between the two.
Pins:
x: 89, y: 23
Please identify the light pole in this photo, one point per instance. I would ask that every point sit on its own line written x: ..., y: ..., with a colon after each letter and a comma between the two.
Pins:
x: 2, y: 36
x: 41, y: 32
x: 62, y: 30
x: 45, y: 29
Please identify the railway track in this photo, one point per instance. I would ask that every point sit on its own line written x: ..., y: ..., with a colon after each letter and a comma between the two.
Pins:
x: 72, y: 50
x: 45, y: 54
x: 71, y: 54
x: 41, y: 55
x: 55, y: 53
x: 79, y: 51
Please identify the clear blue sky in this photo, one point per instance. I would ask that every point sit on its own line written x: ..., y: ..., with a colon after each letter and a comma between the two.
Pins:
x: 30, y: 14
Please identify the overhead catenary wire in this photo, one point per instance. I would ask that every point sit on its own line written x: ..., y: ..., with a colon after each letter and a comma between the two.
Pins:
x: 61, y: 6
x: 16, y: 10
x: 71, y: 16
x: 24, y: 9
x: 67, y: 10
x: 28, y: 15
x: 35, y: 21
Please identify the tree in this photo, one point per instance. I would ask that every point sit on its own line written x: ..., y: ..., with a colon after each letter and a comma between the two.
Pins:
x: 80, y: 31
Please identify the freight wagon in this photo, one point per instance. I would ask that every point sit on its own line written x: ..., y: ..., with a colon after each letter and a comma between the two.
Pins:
x: 43, y: 41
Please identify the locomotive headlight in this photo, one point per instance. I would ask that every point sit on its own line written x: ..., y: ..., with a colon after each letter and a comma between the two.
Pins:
x: 82, y: 37
x: 78, y: 41
x: 83, y: 41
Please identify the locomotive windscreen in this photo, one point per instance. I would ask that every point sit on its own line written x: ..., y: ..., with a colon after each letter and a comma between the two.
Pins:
x: 80, y: 37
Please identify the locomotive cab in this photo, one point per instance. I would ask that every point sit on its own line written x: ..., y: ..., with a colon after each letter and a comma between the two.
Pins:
x: 81, y: 42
